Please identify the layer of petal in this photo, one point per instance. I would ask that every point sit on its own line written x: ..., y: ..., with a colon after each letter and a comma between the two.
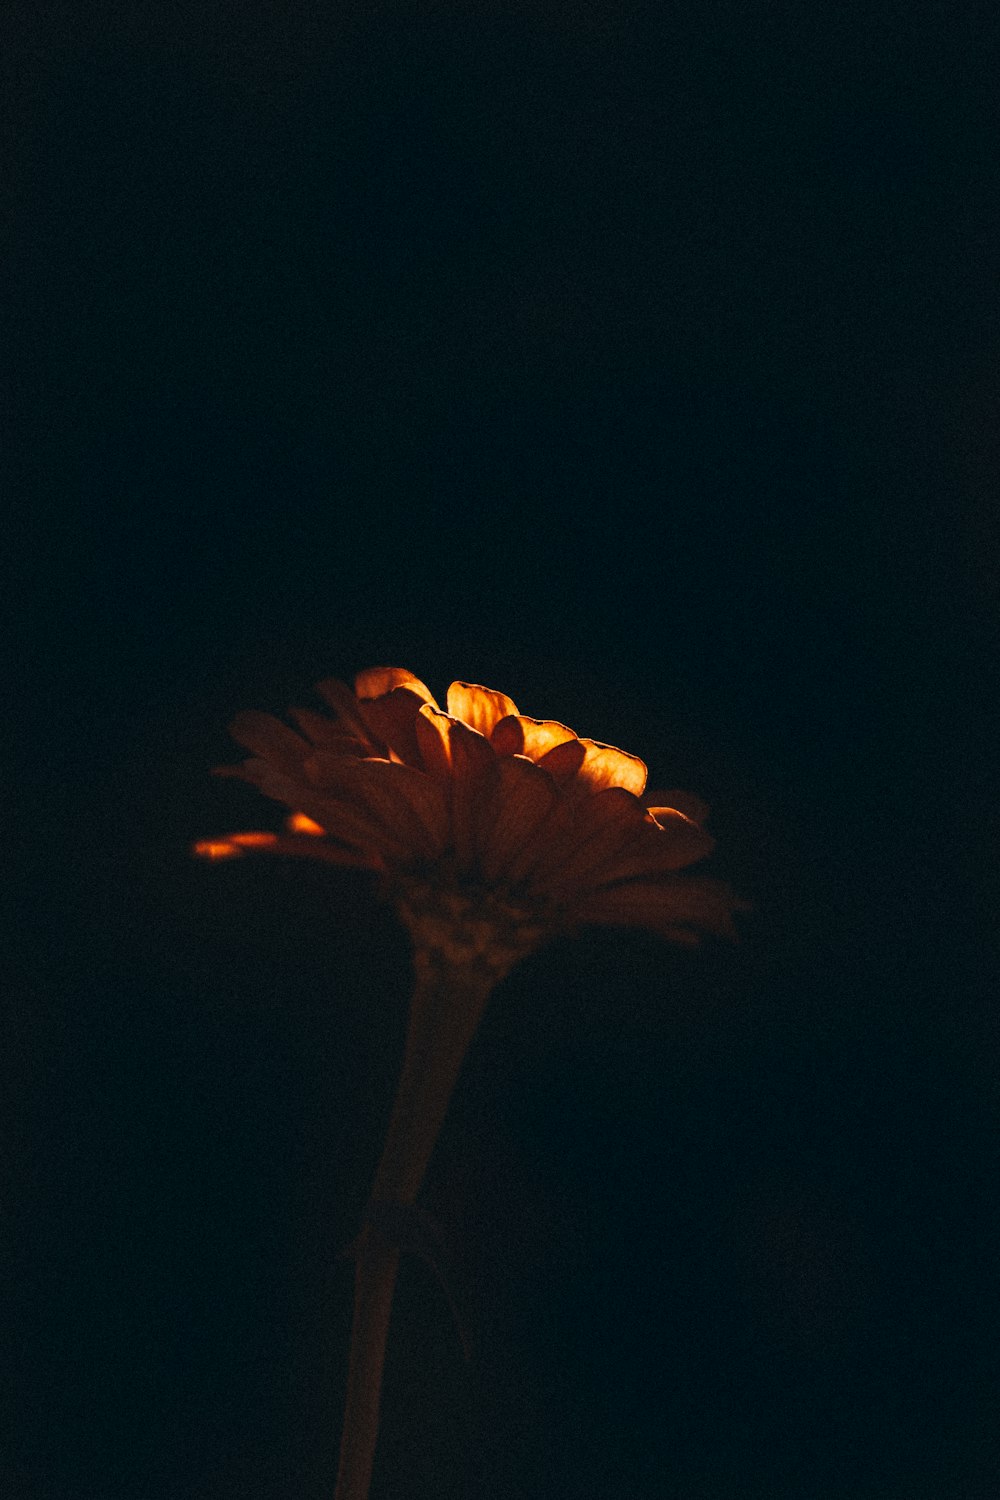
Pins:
x: 479, y: 707
x: 378, y: 680
x: 605, y: 766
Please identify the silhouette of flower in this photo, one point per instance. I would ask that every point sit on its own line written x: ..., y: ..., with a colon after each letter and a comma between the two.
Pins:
x: 491, y: 830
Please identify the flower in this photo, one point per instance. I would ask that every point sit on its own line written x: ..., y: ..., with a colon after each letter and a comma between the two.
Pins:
x: 490, y: 830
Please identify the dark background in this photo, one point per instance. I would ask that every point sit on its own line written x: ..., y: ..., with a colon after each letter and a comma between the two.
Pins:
x: 639, y: 360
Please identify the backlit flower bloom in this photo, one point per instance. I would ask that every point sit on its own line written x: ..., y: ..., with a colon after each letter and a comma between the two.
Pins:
x: 491, y: 830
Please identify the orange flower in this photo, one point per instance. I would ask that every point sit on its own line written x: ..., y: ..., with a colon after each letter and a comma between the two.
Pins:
x: 491, y: 830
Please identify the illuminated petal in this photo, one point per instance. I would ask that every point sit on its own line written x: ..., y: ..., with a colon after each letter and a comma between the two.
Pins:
x: 392, y: 718
x: 299, y: 823
x: 683, y: 802
x: 479, y: 707
x: 525, y: 797
x: 268, y: 737
x: 379, y: 680
x: 516, y: 734
x: 605, y: 766
x: 433, y: 740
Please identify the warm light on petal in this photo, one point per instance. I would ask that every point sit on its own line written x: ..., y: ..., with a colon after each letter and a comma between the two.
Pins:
x: 516, y: 734
x: 299, y: 823
x: 379, y: 680
x: 433, y: 730
x: 479, y: 707
x: 216, y: 849
x: 673, y: 801
x: 481, y: 803
x: 605, y: 766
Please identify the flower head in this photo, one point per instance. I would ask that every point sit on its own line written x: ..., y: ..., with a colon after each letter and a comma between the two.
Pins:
x: 490, y: 829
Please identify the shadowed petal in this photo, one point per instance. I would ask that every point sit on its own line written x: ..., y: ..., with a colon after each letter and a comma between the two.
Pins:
x: 664, y: 904
x: 268, y: 737
x: 327, y: 734
x: 473, y: 785
x: 345, y: 705
x: 392, y: 718
x: 407, y: 806
x: 479, y: 707
x: 525, y: 797
x: 434, y: 740
x: 669, y: 845
x: 563, y: 761
x: 603, y: 826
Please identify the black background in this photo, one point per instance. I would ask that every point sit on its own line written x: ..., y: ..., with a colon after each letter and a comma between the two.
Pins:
x: 639, y: 360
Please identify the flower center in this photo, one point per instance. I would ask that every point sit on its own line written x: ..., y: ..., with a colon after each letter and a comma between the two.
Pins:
x: 461, y: 927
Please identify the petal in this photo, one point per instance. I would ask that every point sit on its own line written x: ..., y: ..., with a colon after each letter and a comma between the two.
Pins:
x: 606, y: 766
x: 683, y: 802
x: 664, y: 904
x: 670, y: 844
x: 563, y: 761
x: 516, y: 734
x: 379, y: 680
x: 266, y: 736
x: 341, y: 820
x: 479, y: 707
x: 473, y: 790
x: 525, y: 797
x: 326, y: 734
x: 345, y: 705
x: 433, y: 729
x: 391, y: 719
x: 405, y: 805
x: 603, y: 826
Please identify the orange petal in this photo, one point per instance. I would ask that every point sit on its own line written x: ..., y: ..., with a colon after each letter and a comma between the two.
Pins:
x: 407, y: 805
x: 326, y: 734
x: 479, y: 707
x: 266, y: 736
x: 605, y: 766
x: 673, y: 843
x: 391, y: 719
x: 433, y: 729
x: 345, y: 705
x: 507, y: 736
x: 683, y: 802
x: 216, y: 849
x: 525, y: 798
x: 299, y: 823
x: 563, y: 761
x: 519, y: 735
x: 379, y: 680
x: 602, y: 827
x: 664, y: 904
x: 353, y: 824
x: 473, y: 788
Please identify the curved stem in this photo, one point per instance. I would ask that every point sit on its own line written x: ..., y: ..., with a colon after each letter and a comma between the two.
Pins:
x: 447, y: 1006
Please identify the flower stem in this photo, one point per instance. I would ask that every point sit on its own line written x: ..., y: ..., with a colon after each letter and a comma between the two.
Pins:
x: 447, y: 1005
